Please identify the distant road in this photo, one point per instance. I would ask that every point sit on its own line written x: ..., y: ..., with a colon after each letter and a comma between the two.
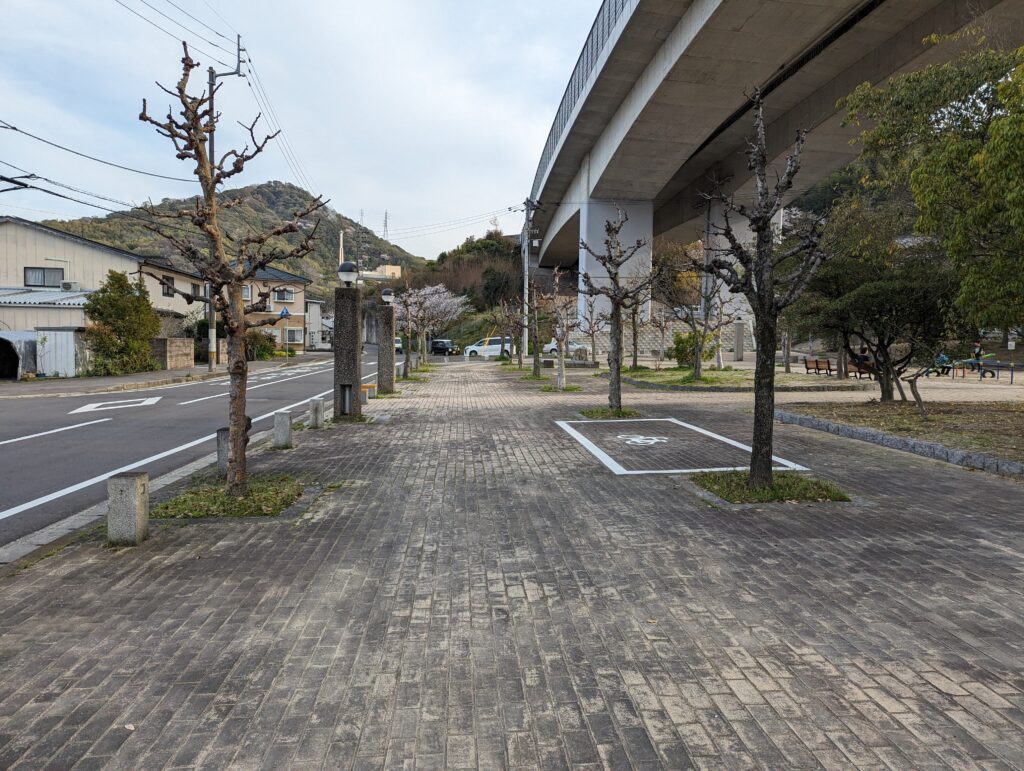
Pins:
x: 57, y: 452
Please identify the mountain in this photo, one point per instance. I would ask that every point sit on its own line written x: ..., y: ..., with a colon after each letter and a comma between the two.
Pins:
x: 264, y: 206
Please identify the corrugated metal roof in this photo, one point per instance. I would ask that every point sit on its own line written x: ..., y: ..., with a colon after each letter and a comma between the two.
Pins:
x: 30, y: 297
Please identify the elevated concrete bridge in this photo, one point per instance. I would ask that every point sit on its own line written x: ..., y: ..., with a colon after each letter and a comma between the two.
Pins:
x: 657, y: 104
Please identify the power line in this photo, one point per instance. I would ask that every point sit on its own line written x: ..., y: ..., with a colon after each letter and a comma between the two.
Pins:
x: 217, y: 14
x: 270, y: 123
x: 187, y: 29
x: 459, y: 221
x: 32, y: 175
x: 444, y: 230
x: 170, y: 34
x: 198, y: 21
x: 5, y: 125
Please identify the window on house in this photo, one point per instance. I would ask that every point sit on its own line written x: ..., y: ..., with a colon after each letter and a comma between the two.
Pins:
x: 197, y: 290
x: 284, y: 295
x: 247, y: 293
x: 44, y: 277
x: 167, y: 286
x: 295, y: 336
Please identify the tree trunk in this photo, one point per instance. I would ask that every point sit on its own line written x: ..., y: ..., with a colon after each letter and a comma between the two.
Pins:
x: 785, y: 352
x: 842, y: 370
x: 238, y: 369
x: 719, y: 361
x: 534, y: 337
x: 407, y: 348
x: 885, y: 385
x: 917, y: 397
x: 765, y: 333
x: 560, y: 381
x: 636, y: 339
x: 520, y: 353
x: 615, y: 359
x: 698, y: 355
x: 593, y: 347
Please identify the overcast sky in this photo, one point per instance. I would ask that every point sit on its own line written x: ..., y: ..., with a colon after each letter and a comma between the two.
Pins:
x: 433, y: 111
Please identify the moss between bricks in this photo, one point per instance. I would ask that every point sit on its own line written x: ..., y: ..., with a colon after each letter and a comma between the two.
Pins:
x: 268, y: 496
x: 787, y: 486
x: 548, y: 389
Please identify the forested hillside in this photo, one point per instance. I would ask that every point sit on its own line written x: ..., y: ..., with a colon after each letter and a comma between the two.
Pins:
x: 265, y: 206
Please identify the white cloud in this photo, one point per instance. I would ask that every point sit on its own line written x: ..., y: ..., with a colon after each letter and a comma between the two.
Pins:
x: 431, y: 111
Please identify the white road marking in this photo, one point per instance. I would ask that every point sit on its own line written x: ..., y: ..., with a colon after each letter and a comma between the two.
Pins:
x: 253, y: 388
x: 151, y: 459
x: 616, y: 468
x: 54, y: 431
x: 120, y: 404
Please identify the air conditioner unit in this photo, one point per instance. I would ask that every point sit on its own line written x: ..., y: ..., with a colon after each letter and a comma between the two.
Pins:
x: 70, y: 286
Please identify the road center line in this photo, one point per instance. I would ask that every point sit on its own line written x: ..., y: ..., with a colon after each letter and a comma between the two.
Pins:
x: 54, y: 431
x: 151, y: 459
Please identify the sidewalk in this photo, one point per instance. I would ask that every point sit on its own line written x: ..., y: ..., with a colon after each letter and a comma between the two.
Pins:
x: 80, y: 386
x: 473, y: 589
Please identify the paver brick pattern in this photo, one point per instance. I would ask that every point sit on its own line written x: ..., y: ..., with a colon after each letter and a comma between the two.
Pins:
x: 472, y: 589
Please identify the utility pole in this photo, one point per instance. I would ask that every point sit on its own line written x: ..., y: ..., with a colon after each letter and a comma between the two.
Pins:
x: 525, y: 248
x: 385, y: 236
x: 211, y: 313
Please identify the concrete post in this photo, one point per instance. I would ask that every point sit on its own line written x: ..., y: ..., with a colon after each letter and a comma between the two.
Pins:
x: 128, y: 508
x: 348, y: 352
x: 738, y: 329
x: 282, y: 430
x: 386, y: 349
x: 222, y: 450
x: 316, y: 413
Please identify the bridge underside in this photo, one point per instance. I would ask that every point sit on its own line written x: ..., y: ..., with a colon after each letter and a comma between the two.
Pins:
x: 685, y: 119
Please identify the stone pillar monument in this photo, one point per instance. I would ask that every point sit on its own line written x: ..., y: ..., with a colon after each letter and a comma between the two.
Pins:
x: 386, y: 348
x: 348, y: 345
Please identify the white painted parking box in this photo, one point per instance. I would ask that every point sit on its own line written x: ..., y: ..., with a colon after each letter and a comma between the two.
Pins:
x: 662, y: 446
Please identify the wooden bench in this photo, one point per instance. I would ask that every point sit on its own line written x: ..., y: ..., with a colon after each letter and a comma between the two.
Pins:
x: 860, y: 372
x: 818, y: 366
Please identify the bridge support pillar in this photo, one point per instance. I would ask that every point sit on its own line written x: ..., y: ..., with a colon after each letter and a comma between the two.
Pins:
x: 594, y: 215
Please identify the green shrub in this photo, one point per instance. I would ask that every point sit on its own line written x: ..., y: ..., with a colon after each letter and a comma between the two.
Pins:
x: 682, y: 350
x: 124, y: 322
x: 259, y: 346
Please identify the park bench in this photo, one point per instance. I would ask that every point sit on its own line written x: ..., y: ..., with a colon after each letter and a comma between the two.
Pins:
x: 855, y: 370
x: 818, y: 366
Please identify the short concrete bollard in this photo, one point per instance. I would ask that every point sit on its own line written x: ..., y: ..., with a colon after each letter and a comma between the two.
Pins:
x: 222, y: 450
x: 128, y: 508
x: 316, y: 413
x: 282, y: 430
x: 371, y: 391
x: 363, y: 396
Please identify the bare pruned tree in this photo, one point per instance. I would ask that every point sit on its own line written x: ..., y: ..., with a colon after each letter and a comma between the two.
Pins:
x: 508, y: 318
x: 638, y: 305
x: 695, y: 297
x: 618, y: 290
x: 592, y: 323
x: 562, y: 308
x: 770, y: 273
x: 225, y: 261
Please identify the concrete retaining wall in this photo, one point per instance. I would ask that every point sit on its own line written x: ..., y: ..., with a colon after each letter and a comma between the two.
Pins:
x: 173, y: 352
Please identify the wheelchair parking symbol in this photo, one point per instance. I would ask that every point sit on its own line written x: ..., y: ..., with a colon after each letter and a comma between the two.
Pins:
x: 639, y: 440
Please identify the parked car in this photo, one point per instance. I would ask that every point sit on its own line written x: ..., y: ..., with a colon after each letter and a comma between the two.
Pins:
x: 490, y: 346
x: 441, y: 347
x: 398, y: 345
x: 571, y: 347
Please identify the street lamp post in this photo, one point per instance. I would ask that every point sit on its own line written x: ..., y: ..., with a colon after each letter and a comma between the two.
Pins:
x: 348, y: 343
x: 386, y: 343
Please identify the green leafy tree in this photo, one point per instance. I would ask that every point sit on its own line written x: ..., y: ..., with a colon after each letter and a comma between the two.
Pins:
x: 953, y: 134
x: 123, y: 324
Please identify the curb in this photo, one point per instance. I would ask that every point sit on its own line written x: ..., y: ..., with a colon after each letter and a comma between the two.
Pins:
x: 979, y: 461
x: 737, y: 389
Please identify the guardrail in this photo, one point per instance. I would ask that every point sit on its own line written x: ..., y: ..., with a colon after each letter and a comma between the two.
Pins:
x: 607, y: 17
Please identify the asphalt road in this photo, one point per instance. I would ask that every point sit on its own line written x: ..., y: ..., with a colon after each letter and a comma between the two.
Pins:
x: 57, y: 452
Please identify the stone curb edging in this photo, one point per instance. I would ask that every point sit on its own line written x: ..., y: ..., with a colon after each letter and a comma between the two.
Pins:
x: 979, y: 461
x: 737, y: 389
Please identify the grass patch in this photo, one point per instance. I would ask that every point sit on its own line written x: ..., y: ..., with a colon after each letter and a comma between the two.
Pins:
x: 413, y: 379
x: 554, y: 389
x: 727, y: 376
x: 606, y: 413
x: 268, y: 496
x: 393, y: 395
x: 992, y: 427
x: 786, y: 486
x: 533, y: 377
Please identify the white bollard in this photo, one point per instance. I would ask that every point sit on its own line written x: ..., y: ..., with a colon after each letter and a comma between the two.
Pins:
x: 282, y: 430
x: 128, y: 508
x: 316, y: 413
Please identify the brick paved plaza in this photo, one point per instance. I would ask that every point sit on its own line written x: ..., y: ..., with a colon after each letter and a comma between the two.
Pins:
x: 473, y: 588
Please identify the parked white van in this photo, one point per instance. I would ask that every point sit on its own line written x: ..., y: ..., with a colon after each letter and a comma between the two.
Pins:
x: 490, y: 346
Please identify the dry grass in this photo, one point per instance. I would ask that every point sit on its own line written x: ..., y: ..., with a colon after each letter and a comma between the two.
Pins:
x: 733, y: 378
x: 992, y: 427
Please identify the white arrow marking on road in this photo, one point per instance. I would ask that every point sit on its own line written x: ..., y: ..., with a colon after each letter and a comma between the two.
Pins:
x: 118, y: 405
x: 54, y: 431
x: 151, y: 459
x: 253, y: 388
